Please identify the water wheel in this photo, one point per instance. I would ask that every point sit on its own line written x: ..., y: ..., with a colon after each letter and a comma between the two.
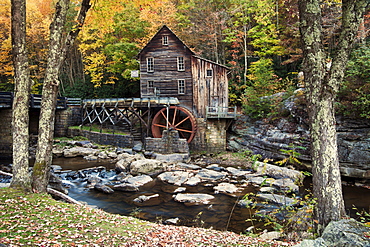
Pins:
x: 176, y: 118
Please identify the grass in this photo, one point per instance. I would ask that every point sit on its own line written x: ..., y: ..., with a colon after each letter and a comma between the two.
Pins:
x: 28, y: 219
x: 96, y: 128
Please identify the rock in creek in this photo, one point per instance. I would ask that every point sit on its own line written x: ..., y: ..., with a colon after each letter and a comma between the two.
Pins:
x: 144, y: 201
x: 177, y: 177
x: 79, y: 151
x: 193, y: 199
x: 147, y: 166
x: 226, y: 188
x: 210, y: 175
x: 103, y: 188
x: 133, y: 183
x: 277, y: 199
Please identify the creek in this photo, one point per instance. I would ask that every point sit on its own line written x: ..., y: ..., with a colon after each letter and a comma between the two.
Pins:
x: 222, y: 214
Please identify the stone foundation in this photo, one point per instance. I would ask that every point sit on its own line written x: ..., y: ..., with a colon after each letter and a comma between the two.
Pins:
x: 210, y: 136
x: 66, y: 118
x: 169, y: 143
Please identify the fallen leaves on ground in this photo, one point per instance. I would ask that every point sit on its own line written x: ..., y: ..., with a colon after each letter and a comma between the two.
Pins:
x: 38, y: 220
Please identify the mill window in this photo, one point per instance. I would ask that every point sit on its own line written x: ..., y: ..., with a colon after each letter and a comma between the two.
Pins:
x: 150, y: 64
x: 150, y: 84
x: 165, y: 40
x: 180, y: 64
x: 181, y: 86
x: 209, y: 73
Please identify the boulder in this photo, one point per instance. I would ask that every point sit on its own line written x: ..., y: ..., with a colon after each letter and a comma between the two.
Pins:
x: 193, y: 181
x: 147, y: 166
x: 93, y: 180
x: 138, y: 147
x: 193, y: 199
x: 56, y: 183
x: 215, y: 167
x: 79, y: 151
x: 237, y: 172
x: 264, y: 169
x: 173, y: 221
x: 172, y: 158
x: 112, y: 155
x: 226, y: 188
x: 131, y: 183
x: 277, y: 199
x: 122, y: 165
x: 103, y: 188
x: 210, y: 175
x: 177, y: 177
x: 271, y: 235
x: 103, y: 155
x: 343, y: 233
x: 286, y: 184
x: 188, y: 166
x: 150, y: 200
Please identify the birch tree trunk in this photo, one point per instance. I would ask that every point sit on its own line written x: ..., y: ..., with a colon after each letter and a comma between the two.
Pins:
x: 58, y: 49
x: 322, y: 82
x: 20, y: 114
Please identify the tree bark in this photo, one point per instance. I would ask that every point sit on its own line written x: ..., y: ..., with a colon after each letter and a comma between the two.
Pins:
x: 57, y: 53
x: 322, y: 83
x: 20, y: 114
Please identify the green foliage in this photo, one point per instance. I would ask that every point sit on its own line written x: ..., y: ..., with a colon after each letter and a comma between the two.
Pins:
x: 292, y: 155
x: 354, y: 96
x: 362, y: 215
x: 294, y: 220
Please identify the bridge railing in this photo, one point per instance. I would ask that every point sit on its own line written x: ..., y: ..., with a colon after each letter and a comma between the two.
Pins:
x: 6, y: 100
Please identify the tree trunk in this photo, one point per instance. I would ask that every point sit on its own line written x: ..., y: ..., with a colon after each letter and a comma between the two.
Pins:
x: 40, y: 175
x: 57, y: 53
x: 322, y: 80
x: 20, y: 115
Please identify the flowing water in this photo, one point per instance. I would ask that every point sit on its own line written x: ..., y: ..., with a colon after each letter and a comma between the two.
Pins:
x: 222, y: 214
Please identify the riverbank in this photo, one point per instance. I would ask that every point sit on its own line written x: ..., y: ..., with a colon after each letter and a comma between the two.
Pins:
x: 39, y: 220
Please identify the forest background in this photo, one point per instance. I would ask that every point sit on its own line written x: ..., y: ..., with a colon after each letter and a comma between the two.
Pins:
x: 257, y: 39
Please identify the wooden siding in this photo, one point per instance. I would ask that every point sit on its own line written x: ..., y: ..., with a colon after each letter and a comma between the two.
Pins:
x: 166, y: 74
x: 200, y: 90
x: 208, y: 90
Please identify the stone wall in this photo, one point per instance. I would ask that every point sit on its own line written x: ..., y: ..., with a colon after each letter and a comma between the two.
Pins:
x: 169, y: 143
x: 122, y: 141
x: 6, y: 139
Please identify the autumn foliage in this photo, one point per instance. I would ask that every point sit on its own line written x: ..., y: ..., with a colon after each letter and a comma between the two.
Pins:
x: 248, y: 36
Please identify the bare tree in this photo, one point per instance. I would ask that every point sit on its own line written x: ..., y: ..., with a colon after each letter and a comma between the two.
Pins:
x: 20, y: 115
x: 58, y: 49
x: 322, y: 79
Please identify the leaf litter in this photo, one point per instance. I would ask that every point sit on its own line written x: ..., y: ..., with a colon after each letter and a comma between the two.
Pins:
x: 39, y: 220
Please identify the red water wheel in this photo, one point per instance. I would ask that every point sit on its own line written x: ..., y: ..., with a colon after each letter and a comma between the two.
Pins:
x: 176, y: 118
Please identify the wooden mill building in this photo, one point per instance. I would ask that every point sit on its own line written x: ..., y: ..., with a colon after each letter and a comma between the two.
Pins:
x: 169, y: 68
